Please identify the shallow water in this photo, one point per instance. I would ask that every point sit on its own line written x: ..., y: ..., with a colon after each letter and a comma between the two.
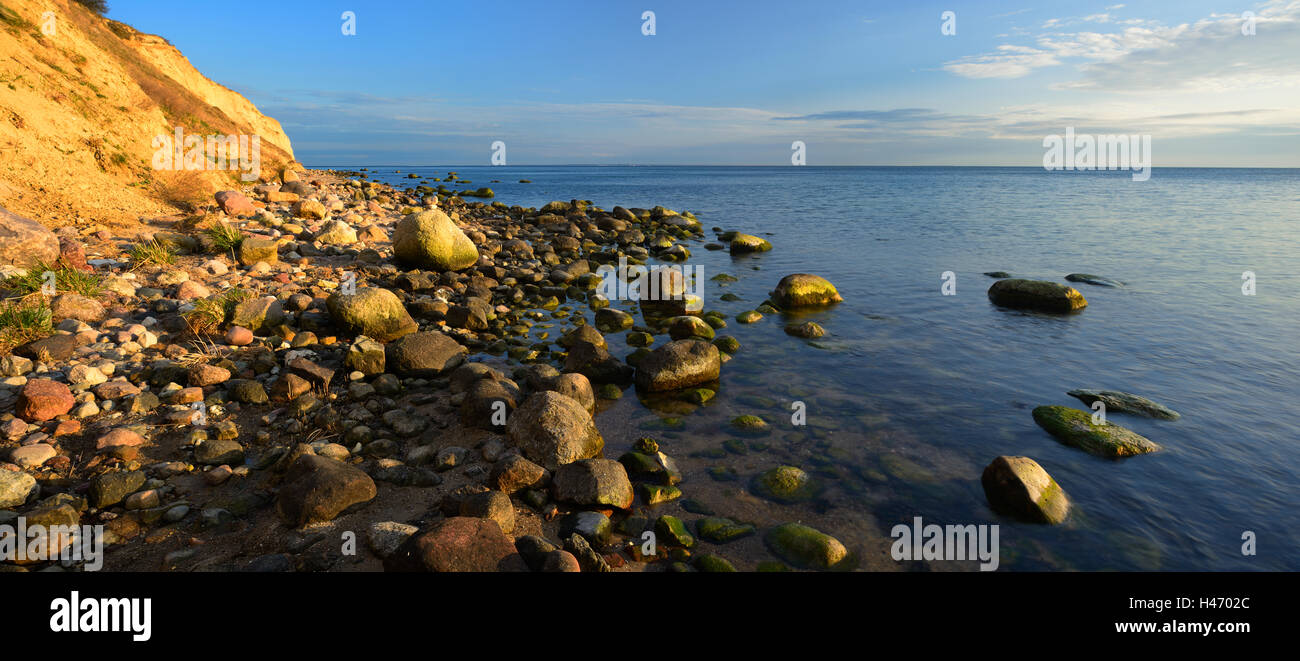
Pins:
x: 912, y: 393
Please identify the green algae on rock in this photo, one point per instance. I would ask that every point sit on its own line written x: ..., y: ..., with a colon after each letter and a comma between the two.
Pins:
x: 371, y: 311
x: 1038, y: 295
x: 1020, y: 488
x: 430, y: 239
x: 1076, y: 429
x: 721, y: 530
x: 808, y: 548
x: 785, y: 484
x: 747, y: 243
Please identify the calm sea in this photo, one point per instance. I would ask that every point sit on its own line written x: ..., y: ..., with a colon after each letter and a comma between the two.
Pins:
x: 912, y: 393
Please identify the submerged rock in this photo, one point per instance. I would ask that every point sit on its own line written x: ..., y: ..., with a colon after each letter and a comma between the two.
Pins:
x: 1075, y: 428
x: 1019, y: 487
x: 1123, y: 402
x: 1090, y: 279
x: 1036, y: 295
x: 807, y: 547
x: 679, y: 364
x: 785, y: 484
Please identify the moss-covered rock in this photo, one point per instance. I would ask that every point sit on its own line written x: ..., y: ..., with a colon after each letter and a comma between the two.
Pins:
x: 1123, y: 402
x: 712, y: 563
x: 727, y: 344
x: 807, y: 330
x: 685, y: 327
x: 1020, y: 488
x: 431, y: 240
x: 785, y: 484
x: 670, y: 531
x: 1038, y: 295
x: 749, y: 316
x: 374, y: 312
x: 747, y: 243
x: 721, y: 530
x: 807, y: 547
x: 750, y: 424
x: 1076, y: 429
x: 799, y: 290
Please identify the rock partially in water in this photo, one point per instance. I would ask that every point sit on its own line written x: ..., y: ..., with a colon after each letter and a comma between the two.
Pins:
x: 1020, y: 488
x: 1090, y: 279
x: 799, y: 290
x: 1038, y: 295
x: 679, y: 364
x: 747, y: 243
x: 1075, y: 428
x: 1123, y: 402
x: 720, y: 530
x: 807, y: 330
x: 806, y: 547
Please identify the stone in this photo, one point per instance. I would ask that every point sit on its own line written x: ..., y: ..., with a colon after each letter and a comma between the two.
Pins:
x: 217, y: 451
x: 679, y: 364
x: 552, y: 430
x: 310, y: 209
x: 15, y: 488
x: 371, y: 311
x: 689, y: 327
x: 256, y: 249
x: 560, y: 560
x: 425, y: 355
x: 595, y: 527
x: 385, y: 537
x: 457, y: 544
x: 120, y: 437
x: 1039, y: 295
x: 492, y: 505
x: 807, y: 330
x: 1123, y: 402
x: 515, y: 473
x: 804, y: 290
x: 109, y: 489
x: 337, y: 233
x: 593, y: 482
x: 208, y: 375
x: 239, y: 336
x: 1020, y: 488
x: 25, y: 242
x: 317, y: 489
x: 31, y: 456
x: 720, y: 530
x: 259, y: 315
x: 235, y: 203
x: 431, y: 240
x: 785, y: 484
x: 42, y: 399
x: 366, y: 356
x: 806, y: 547
x: 747, y: 243
x: 1076, y: 429
x: 670, y: 531
x: 76, y: 306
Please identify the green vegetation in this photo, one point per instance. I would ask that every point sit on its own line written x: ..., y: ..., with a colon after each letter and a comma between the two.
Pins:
x: 65, y: 280
x: 22, y: 322
x: 153, y: 252
x: 210, y: 313
x: 224, y: 237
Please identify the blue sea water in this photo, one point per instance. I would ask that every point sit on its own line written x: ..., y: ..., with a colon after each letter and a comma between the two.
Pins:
x: 912, y: 392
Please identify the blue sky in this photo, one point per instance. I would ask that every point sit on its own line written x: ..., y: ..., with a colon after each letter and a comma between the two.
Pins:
x: 728, y: 82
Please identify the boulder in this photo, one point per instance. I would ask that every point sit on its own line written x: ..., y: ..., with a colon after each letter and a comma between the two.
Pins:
x: 1037, y: 295
x: 76, y: 306
x: 373, y: 312
x: 255, y: 249
x: 806, y: 547
x: 799, y: 290
x: 426, y: 354
x: 1020, y: 488
x: 317, y: 489
x: 514, y: 473
x: 259, y: 315
x: 747, y: 243
x: 25, y: 242
x: 457, y: 544
x: 553, y: 430
x: 337, y: 233
x: 1076, y: 429
x: 431, y: 240
x: 593, y: 482
x: 42, y: 399
x: 234, y: 203
x: 679, y: 364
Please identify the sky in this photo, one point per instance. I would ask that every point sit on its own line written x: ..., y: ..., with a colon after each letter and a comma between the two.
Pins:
x: 723, y: 82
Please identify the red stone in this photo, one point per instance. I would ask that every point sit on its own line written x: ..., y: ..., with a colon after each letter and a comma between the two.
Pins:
x: 43, y: 399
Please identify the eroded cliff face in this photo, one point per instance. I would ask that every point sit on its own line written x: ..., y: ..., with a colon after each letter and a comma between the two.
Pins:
x: 83, y: 100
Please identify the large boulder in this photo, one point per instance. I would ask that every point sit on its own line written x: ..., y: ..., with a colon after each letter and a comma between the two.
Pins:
x: 553, y: 430
x: 593, y: 482
x: 25, y: 242
x: 373, y: 312
x: 799, y: 290
x: 1039, y: 295
x: 318, y: 488
x: 679, y: 364
x: 259, y: 315
x: 1076, y: 429
x: 427, y: 354
x: 457, y: 544
x: 431, y: 240
x: 1020, y: 488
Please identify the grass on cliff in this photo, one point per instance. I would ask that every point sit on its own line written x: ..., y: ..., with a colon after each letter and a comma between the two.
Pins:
x: 65, y: 280
x: 186, y: 190
x: 23, y: 321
